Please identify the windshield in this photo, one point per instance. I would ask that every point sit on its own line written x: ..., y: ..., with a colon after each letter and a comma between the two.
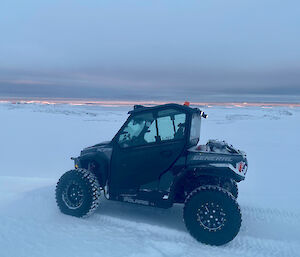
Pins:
x: 195, y: 129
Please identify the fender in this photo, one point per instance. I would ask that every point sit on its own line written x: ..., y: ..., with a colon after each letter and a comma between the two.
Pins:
x: 221, y: 172
x: 101, y: 164
x: 198, y: 172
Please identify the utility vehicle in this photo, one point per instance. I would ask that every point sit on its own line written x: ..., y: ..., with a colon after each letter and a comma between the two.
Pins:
x: 155, y: 160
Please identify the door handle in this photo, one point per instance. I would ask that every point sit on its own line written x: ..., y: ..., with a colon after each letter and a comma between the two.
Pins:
x: 166, y: 153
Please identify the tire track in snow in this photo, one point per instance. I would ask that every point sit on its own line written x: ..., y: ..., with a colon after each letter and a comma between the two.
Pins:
x: 264, y: 232
x: 246, y: 243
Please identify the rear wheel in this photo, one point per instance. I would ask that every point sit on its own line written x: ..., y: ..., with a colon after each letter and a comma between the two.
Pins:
x: 212, y: 215
x: 77, y: 193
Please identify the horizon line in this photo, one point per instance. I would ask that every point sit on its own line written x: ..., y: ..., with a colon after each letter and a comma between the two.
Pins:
x: 72, y: 101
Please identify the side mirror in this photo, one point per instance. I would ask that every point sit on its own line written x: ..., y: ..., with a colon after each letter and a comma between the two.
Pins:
x: 203, y: 115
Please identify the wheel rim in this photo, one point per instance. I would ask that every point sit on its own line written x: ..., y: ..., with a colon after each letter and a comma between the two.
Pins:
x: 211, y: 216
x: 73, y: 195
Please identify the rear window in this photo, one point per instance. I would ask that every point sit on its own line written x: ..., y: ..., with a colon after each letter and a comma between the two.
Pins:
x: 195, y: 129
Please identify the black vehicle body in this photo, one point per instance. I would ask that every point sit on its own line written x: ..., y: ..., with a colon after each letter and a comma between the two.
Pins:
x: 162, y: 172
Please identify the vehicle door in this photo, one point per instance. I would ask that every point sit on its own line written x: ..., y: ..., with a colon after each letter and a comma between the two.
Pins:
x: 146, y: 147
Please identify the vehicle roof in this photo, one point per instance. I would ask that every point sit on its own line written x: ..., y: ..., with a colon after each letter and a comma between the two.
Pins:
x: 185, y: 108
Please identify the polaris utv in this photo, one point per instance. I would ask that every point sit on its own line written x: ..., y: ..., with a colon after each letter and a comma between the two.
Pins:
x: 155, y: 160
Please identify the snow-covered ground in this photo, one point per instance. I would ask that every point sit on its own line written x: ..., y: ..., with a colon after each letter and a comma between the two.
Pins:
x: 36, y: 142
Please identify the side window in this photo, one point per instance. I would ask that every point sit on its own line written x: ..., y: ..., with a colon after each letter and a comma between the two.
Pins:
x: 151, y: 134
x: 165, y: 128
x: 171, y: 124
x: 140, y: 130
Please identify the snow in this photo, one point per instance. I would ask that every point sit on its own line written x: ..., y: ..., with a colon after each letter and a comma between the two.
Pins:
x: 37, y: 141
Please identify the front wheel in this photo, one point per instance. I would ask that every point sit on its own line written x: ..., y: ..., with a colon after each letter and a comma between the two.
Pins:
x: 212, y: 215
x: 77, y: 193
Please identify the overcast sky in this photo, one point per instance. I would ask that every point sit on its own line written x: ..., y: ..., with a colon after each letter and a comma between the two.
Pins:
x: 149, y: 49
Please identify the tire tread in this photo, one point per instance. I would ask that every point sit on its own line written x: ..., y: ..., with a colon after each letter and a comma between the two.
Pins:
x: 210, y: 188
x: 92, y: 182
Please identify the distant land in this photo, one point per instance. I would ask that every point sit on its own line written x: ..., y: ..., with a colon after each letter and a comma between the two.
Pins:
x: 78, y: 101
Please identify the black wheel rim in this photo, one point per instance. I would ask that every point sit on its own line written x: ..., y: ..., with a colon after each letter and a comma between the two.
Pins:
x: 73, y: 195
x: 211, y: 216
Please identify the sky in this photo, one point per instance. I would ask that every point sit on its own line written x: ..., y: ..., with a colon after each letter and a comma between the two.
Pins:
x: 136, y: 49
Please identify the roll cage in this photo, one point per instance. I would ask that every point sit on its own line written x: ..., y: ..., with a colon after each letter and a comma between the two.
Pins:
x: 181, y: 130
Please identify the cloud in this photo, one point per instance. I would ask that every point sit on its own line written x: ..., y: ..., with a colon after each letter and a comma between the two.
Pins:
x: 149, y: 49
x: 149, y: 84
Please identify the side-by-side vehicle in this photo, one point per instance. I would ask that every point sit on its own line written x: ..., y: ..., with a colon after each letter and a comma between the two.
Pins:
x: 155, y: 159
